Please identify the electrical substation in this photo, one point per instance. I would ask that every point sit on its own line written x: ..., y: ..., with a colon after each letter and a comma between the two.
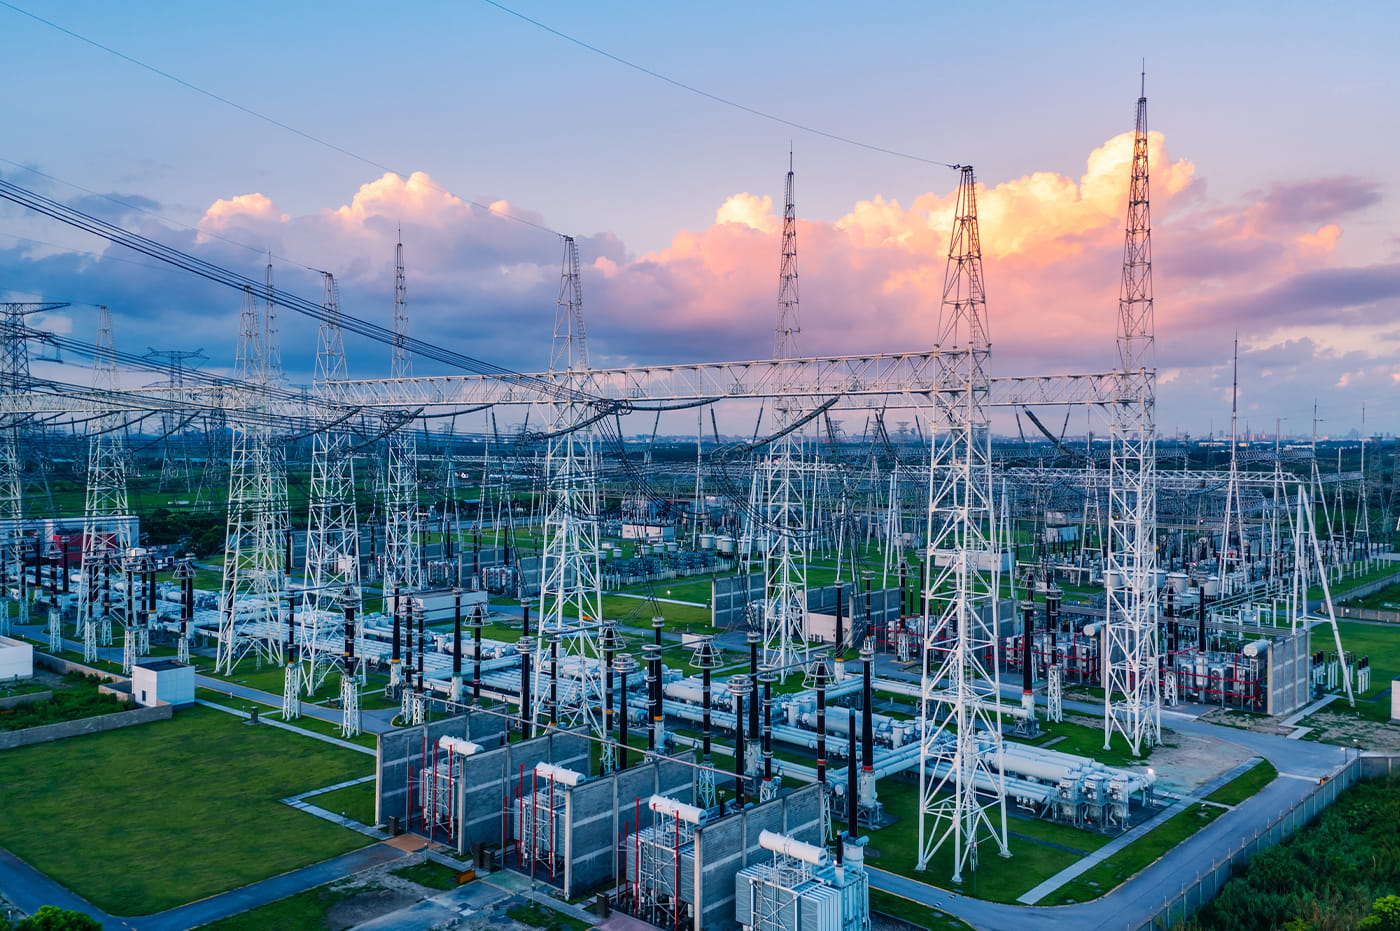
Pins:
x: 888, y: 612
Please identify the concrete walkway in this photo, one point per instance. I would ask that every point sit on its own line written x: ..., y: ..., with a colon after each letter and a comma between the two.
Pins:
x: 264, y: 719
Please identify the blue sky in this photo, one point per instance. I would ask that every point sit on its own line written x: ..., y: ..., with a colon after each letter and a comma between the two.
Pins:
x: 1271, y: 103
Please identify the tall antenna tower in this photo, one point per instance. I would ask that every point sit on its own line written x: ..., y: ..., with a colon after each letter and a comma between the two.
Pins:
x: 784, y: 517
x: 254, y: 582
x: 333, y: 538
x: 1132, y: 698
x: 403, y: 565
x: 174, y: 466
x: 107, y: 519
x: 14, y: 436
x: 570, y: 596
x: 961, y: 704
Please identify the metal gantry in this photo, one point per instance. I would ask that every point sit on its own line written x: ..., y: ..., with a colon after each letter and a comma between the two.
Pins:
x: 254, y: 581
x: 107, y: 519
x: 570, y: 612
x: 332, y: 573
x: 781, y: 515
x: 1132, y: 696
x: 961, y: 699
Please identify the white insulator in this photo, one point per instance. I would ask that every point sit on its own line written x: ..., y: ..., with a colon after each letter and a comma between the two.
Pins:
x: 1256, y: 648
x: 459, y: 746
x: 791, y: 847
x: 559, y: 774
x: 669, y: 806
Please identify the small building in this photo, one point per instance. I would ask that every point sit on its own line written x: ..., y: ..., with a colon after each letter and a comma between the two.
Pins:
x: 1395, y: 701
x: 162, y: 680
x: 16, y: 659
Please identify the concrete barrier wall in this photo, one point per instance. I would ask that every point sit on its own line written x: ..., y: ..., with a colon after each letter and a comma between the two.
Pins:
x: 490, y: 780
x: 106, y: 722
x: 401, y: 753
x: 726, y: 846
x: 64, y: 666
x: 14, y: 701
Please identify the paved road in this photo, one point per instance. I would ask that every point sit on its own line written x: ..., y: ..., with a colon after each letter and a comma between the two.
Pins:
x: 1142, y: 896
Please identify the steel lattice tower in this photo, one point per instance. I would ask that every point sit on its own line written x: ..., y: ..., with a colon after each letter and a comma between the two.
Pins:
x: 107, y: 520
x: 570, y: 596
x: 332, y: 540
x: 254, y: 583
x: 1132, y: 698
x: 783, y: 516
x: 14, y: 379
x: 171, y: 467
x: 961, y: 707
x: 403, y: 569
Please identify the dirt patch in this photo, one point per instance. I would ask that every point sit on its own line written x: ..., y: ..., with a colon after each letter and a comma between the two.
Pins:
x: 1185, y: 761
x: 1343, y: 729
x: 1243, y: 720
x: 367, y: 905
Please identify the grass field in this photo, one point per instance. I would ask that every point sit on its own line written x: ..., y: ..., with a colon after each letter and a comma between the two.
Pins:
x: 352, y: 801
x: 1381, y: 644
x: 1128, y: 861
x: 1245, y: 785
x: 999, y: 879
x: 305, y: 911
x: 919, y: 915
x: 150, y: 817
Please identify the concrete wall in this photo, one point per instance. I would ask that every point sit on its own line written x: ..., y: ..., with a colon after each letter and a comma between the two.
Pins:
x: 16, y: 658
x: 14, y: 701
x: 45, y: 661
x: 106, y: 722
x: 725, y: 846
x: 490, y: 781
x: 400, y: 755
x: 598, y: 810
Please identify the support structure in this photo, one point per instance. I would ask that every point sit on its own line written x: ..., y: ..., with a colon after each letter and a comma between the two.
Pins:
x: 961, y: 700
x: 333, y: 540
x: 1132, y: 693
x: 403, y: 558
x: 107, y: 519
x: 570, y: 595
x: 254, y: 583
x: 781, y: 516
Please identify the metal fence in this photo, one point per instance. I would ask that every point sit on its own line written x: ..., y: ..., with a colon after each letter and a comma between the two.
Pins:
x: 1207, y: 883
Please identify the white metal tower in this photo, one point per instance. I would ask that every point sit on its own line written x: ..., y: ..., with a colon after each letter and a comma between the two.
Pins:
x: 961, y: 707
x: 403, y: 565
x: 1132, y: 697
x: 107, y: 520
x: 332, y: 540
x: 570, y: 596
x: 254, y: 582
x: 783, y: 516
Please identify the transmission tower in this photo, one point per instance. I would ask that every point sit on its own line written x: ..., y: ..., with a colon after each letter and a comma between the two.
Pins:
x: 570, y: 597
x: 254, y: 582
x: 107, y: 519
x: 961, y: 705
x: 784, y: 515
x: 15, y: 439
x: 403, y: 569
x: 174, y: 467
x: 1132, y: 697
x: 332, y: 541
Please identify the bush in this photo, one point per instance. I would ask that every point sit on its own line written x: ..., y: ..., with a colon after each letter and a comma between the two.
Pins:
x: 53, y: 918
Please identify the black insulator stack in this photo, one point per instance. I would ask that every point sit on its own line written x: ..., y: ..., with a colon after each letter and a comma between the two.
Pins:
x: 1027, y: 654
x: 867, y: 725
x: 457, y: 635
x: 398, y: 600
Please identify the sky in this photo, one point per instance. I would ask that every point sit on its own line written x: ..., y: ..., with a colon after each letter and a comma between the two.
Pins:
x: 1274, y: 179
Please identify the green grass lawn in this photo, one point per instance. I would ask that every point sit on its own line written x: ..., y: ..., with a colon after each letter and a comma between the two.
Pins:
x: 429, y: 873
x: 999, y: 879
x: 919, y: 915
x: 1245, y: 785
x: 305, y: 911
x: 352, y: 801
x: 150, y: 817
x: 1086, y: 741
x: 274, y: 712
x: 78, y: 698
x: 1132, y: 858
x: 1381, y: 644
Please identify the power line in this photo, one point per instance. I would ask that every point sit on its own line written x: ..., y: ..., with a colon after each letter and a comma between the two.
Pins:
x: 189, y: 85
x: 753, y: 111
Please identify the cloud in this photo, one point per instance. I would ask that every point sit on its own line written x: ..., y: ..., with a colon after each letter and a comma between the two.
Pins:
x: 1272, y: 266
